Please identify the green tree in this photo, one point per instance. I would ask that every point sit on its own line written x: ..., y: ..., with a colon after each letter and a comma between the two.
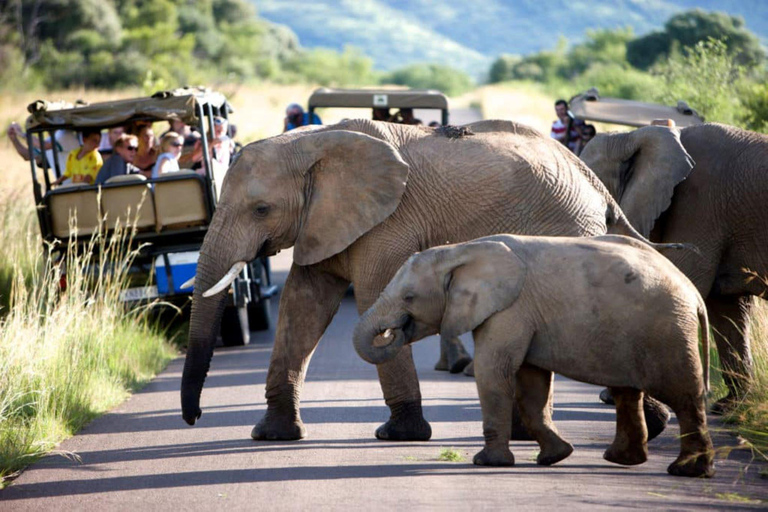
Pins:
x: 431, y: 76
x: 705, y: 76
x: 503, y: 68
x: 691, y: 27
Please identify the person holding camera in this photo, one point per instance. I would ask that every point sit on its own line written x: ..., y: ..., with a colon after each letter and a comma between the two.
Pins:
x: 295, y: 117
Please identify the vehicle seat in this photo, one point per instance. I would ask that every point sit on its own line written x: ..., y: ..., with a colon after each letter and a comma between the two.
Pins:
x: 131, y: 202
x: 67, y: 200
x: 180, y: 202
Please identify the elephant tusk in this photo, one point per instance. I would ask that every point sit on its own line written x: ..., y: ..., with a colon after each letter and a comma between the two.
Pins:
x: 188, y: 284
x: 226, y: 280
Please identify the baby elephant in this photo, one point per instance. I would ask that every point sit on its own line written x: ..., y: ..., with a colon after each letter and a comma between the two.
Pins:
x: 607, y: 310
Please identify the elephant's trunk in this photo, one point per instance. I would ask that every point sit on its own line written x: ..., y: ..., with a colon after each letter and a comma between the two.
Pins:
x: 217, y: 255
x: 378, y: 341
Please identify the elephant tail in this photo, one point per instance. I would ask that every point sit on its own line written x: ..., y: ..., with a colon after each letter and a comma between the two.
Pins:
x: 618, y: 224
x: 704, y: 325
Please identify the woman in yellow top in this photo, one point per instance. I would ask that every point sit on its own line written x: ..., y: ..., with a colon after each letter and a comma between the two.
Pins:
x: 83, y: 164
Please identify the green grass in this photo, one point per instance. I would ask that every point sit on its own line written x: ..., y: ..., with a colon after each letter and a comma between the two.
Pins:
x: 65, y: 357
x: 750, y: 417
x: 450, y: 455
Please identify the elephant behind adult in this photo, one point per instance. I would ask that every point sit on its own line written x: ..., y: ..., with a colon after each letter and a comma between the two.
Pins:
x: 356, y: 200
x: 719, y: 206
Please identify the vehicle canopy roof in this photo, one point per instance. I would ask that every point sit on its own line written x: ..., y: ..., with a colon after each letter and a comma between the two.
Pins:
x: 179, y: 104
x: 378, y: 98
x: 589, y: 106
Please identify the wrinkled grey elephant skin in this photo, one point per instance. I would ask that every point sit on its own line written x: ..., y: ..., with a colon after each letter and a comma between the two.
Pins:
x: 622, y: 316
x: 705, y: 185
x: 355, y: 200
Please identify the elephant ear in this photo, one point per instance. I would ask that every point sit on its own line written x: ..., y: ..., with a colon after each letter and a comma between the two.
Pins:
x: 354, y: 183
x: 482, y: 278
x: 640, y: 169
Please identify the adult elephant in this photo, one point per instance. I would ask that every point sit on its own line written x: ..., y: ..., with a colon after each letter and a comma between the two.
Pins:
x: 355, y: 200
x: 719, y: 206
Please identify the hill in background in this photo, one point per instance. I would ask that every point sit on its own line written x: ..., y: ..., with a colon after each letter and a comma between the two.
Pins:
x: 470, y: 35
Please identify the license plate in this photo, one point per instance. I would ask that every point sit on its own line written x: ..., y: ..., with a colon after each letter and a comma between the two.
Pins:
x: 144, y: 292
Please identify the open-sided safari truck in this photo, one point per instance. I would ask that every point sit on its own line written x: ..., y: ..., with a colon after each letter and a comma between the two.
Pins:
x: 425, y: 99
x: 170, y: 213
x: 590, y: 106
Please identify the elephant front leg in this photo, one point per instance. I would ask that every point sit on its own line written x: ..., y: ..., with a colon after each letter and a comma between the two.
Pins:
x: 729, y: 318
x: 534, y: 399
x: 453, y: 356
x: 497, y: 392
x: 400, y: 385
x: 309, y: 301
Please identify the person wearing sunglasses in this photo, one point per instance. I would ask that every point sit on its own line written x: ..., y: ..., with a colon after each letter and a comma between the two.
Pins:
x: 121, y: 161
x: 170, y: 150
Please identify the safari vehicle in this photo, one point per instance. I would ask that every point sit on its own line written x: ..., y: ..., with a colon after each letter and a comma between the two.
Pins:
x: 590, y: 106
x: 380, y: 98
x: 171, y: 213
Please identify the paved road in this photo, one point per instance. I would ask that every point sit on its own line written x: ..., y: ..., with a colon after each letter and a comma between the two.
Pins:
x: 142, y: 456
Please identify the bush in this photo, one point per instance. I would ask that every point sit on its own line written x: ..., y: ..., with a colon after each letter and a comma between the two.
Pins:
x: 706, y: 77
x: 431, y: 76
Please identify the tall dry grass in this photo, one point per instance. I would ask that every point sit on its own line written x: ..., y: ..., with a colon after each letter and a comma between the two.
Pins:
x: 750, y: 416
x: 65, y: 356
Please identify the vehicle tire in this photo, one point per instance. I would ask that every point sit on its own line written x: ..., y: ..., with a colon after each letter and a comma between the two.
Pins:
x: 235, y: 330
x: 260, y: 313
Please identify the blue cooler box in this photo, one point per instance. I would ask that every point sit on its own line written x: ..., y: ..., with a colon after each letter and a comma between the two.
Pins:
x: 183, y: 268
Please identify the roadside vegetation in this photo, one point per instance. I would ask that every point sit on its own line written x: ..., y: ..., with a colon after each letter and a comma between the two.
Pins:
x: 65, y: 356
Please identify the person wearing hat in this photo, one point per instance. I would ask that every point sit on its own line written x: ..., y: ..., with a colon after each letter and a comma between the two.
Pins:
x: 295, y: 117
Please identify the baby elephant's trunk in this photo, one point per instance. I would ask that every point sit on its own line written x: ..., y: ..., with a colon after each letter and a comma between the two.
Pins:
x: 375, y: 344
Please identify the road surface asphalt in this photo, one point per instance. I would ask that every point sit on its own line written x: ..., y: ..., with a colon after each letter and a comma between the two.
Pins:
x: 142, y: 456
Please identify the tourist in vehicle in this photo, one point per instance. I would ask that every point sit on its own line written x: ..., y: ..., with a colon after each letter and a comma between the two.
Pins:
x: 562, y: 128
x: 295, y: 117
x: 406, y: 116
x: 66, y: 141
x: 121, y: 161
x: 168, y: 160
x: 223, y: 146
x: 146, y: 156
x: 381, y: 114
x: 587, y: 132
x: 108, y: 143
x: 187, y: 158
x: 84, y: 163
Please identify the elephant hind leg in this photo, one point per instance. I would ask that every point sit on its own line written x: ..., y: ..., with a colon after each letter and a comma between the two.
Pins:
x: 453, y: 356
x: 630, y: 446
x: 534, y: 399
x: 729, y: 318
x: 696, y: 457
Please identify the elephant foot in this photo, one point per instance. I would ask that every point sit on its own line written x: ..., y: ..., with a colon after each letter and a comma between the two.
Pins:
x: 693, y: 466
x: 607, y: 397
x: 405, y: 424
x: 497, y: 457
x: 626, y: 457
x: 656, y: 416
x: 274, y: 427
x: 554, y: 455
x: 469, y: 370
x: 724, y: 405
x: 453, y: 356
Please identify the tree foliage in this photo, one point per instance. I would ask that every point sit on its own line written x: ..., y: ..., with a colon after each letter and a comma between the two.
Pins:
x: 689, y: 28
x: 115, y: 43
x: 431, y: 76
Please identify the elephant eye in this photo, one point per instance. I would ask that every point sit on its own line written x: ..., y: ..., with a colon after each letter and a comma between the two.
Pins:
x: 262, y: 210
x: 408, y: 297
